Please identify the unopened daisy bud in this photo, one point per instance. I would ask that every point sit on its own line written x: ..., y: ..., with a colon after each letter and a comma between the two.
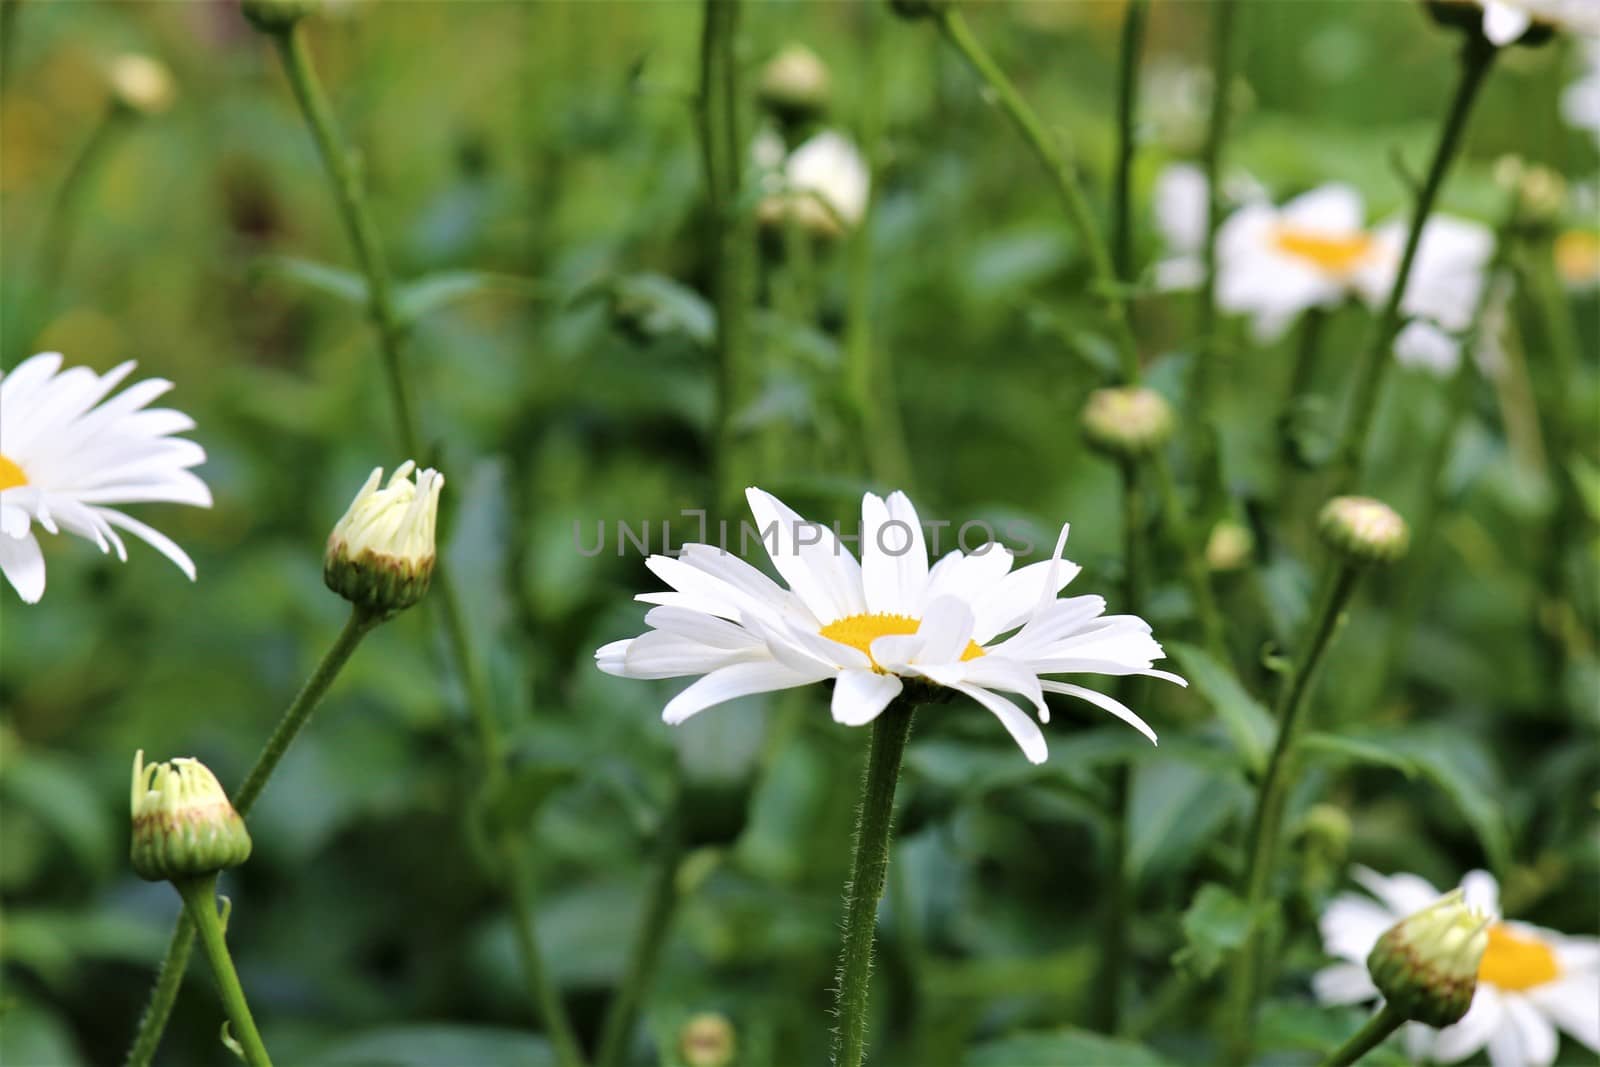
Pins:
x: 707, y: 1040
x: 795, y: 83
x: 381, y: 554
x: 1426, y: 965
x: 183, y: 824
x: 1127, y: 422
x: 1363, y: 530
x: 277, y: 16
x: 1229, y: 546
x: 140, y: 84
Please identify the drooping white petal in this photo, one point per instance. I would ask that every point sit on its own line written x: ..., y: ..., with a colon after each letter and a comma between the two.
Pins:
x: 859, y: 696
x: 738, y: 680
x: 23, y: 565
x: 1099, y: 699
x: 152, y: 537
x: 1018, y: 723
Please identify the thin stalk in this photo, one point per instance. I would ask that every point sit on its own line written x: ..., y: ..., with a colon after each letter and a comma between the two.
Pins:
x: 1106, y: 282
x: 1133, y: 24
x: 869, y: 864
x: 1372, y: 1034
x: 1222, y: 61
x: 1266, y: 829
x: 200, y: 904
x: 350, y: 198
x: 1477, y: 56
x: 170, y: 975
x: 9, y: 10
x: 661, y: 904
x: 1195, y: 574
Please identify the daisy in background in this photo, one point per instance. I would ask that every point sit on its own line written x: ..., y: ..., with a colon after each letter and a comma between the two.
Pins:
x: 1180, y: 217
x: 1506, y: 21
x: 824, y: 184
x: 1580, y: 103
x: 1532, y: 982
x: 969, y: 623
x: 66, y: 452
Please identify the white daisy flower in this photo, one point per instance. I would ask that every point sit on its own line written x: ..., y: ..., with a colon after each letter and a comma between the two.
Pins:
x: 1580, y: 103
x: 1180, y: 217
x: 968, y: 623
x: 1505, y: 21
x: 65, y: 455
x: 824, y: 182
x: 1532, y: 982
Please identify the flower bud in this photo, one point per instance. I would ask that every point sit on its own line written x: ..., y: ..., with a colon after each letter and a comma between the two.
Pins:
x: 707, y: 1040
x: 1229, y: 546
x: 1426, y: 965
x: 277, y: 16
x: 140, y: 84
x: 795, y: 83
x: 1363, y: 530
x: 183, y: 823
x: 381, y: 554
x: 1127, y: 422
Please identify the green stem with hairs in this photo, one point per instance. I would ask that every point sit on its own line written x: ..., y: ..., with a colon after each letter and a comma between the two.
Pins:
x: 1045, y: 146
x: 200, y: 904
x: 1477, y: 56
x: 869, y: 865
x: 1372, y: 1034
x: 1266, y: 828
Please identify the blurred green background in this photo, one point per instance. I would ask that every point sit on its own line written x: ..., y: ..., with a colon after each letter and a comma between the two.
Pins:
x: 550, y: 150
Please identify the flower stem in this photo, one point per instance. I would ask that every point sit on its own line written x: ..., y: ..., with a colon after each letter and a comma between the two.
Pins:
x: 660, y: 906
x: 1266, y: 827
x: 170, y: 975
x: 1005, y: 94
x: 1196, y: 577
x: 1133, y: 24
x: 200, y: 904
x: 1477, y: 56
x: 869, y: 864
x: 1364, y: 1040
x: 350, y: 196
x: 1222, y: 59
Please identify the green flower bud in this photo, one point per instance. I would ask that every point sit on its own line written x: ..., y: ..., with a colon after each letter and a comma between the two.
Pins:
x: 1127, y: 422
x: 1363, y: 530
x: 707, y: 1040
x: 795, y: 83
x: 183, y: 824
x: 1229, y: 546
x: 1426, y: 965
x: 277, y: 16
x: 381, y: 554
x: 140, y: 84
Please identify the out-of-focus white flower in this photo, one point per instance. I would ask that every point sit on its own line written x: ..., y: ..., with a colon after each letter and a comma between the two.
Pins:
x: 824, y: 184
x: 1505, y: 21
x: 1532, y: 982
x: 65, y: 455
x: 1444, y: 290
x: 1176, y: 100
x: 1580, y: 103
x: 969, y: 623
x: 1180, y: 217
x: 142, y: 84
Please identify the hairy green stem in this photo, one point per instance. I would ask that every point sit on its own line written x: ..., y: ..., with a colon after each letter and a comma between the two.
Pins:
x: 200, y: 904
x: 1133, y: 24
x: 163, y: 995
x: 1266, y: 828
x: 1222, y: 61
x: 869, y: 864
x: 661, y: 903
x: 542, y: 991
x: 1369, y: 1037
x: 1477, y: 56
x: 1049, y: 151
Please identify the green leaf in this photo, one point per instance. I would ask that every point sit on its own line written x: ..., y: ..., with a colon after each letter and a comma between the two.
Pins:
x: 341, y: 284
x: 431, y: 292
x: 59, y: 795
x: 1338, y: 748
x: 1215, y: 926
x: 1174, y: 810
x: 1060, y: 1048
x: 1247, y: 721
x: 428, y: 1045
x: 1460, y: 766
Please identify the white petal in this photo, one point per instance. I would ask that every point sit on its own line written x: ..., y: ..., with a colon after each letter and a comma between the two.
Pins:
x: 968, y: 576
x: 1343, y: 983
x: 1101, y: 700
x: 1402, y: 894
x: 152, y: 537
x: 1524, y: 1039
x: 1334, y: 209
x: 23, y: 565
x: 945, y: 631
x: 1572, y: 1003
x: 1504, y: 22
x: 894, y: 556
x: 659, y: 654
x: 702, y: 628
x: 610, y: 658
x: 1351, y: 925
x: 997, y: 672
x: 860, y: 696
x: 1475, y: 1028
x: 819, y: 569
x: 1482, y: 891
x: 741, y: 679
x: 1011, y: 601
x: 1018, y: 723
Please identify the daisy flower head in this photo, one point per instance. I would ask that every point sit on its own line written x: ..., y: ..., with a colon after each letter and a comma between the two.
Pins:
x: 968, y: 624
x: 66, y: 452
x: 1533, y: 983
x: 824, y: 184
x: 1580, y: 101
x: 1180, y: 205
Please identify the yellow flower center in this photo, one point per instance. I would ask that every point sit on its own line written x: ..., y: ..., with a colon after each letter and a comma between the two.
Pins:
x: 1334, y: 254
x: 1578, y: 256
x: 859, y: 631
x: 11, y: 476
x: 1515, y: 962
